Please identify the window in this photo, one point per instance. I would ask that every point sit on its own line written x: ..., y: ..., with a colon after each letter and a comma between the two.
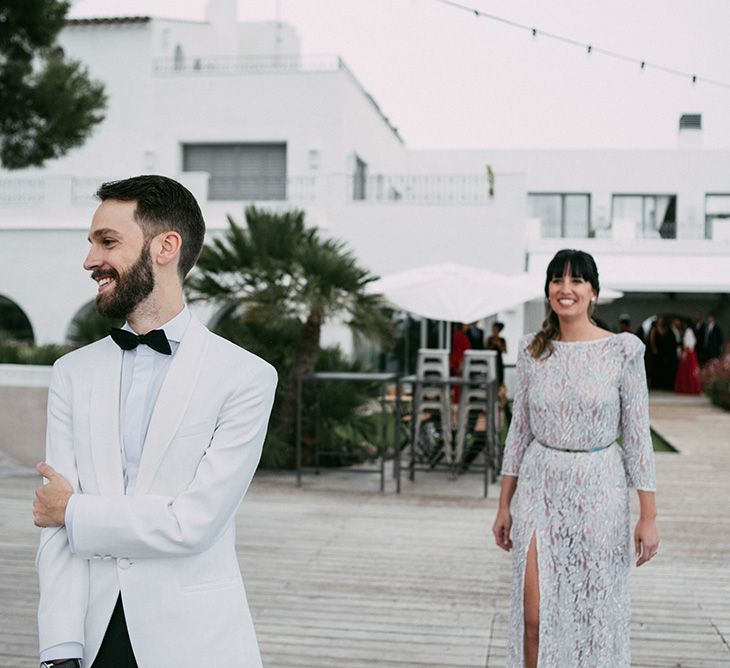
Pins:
x: 359, y: 180
x: 561, y: 214
x: 179, y: 59
x: 655, y: 216
x: 717, y: 208
x: 240, y: 171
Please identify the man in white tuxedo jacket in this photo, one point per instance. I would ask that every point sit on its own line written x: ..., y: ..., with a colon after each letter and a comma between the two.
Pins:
x: 153, y: 437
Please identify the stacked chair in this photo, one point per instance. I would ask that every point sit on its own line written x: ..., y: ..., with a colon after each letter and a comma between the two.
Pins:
x: 479, y: 366
x: 432, y: 397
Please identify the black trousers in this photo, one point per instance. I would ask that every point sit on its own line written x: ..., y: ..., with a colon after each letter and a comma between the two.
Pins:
x: 116, y: 649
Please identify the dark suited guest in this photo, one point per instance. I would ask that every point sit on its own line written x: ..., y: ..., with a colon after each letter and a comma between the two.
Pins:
x: 476, y: 336
x: 709, y: 339
x: 696, y: 323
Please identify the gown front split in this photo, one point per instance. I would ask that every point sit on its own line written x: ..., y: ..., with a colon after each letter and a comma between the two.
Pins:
x: 572, y: 495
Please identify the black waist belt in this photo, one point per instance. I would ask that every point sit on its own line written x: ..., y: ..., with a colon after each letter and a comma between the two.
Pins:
x: 600, y: 447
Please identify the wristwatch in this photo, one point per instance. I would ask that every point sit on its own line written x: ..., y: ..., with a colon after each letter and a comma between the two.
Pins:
x: 66, y: 663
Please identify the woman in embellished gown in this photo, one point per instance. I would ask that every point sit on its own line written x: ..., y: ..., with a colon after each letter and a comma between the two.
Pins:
x: 579, y: 388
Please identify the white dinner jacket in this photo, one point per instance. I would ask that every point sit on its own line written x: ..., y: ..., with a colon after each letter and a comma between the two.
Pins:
x: 170, y: 547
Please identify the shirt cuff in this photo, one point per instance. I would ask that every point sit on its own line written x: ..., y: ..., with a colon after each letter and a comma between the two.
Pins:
x: 66, y: 650
x: 68, y: 521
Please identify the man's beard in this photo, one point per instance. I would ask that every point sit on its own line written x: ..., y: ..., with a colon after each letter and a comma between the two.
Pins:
x: 130, y: 288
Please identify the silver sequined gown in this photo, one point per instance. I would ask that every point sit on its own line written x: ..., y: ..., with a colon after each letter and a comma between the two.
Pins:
x: 581, y: 397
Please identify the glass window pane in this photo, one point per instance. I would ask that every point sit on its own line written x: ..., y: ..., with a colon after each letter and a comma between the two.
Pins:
x: 577, y: 216
x: 628, y: 207
x: 240, y: 171
x: 547, y: 209
x: 718, y: 205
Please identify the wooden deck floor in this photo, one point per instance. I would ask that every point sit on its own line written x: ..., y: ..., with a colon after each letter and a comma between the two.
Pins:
x: 341, y: 576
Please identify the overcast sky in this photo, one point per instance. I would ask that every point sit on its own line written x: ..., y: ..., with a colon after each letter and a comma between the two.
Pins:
x: 449, y: 80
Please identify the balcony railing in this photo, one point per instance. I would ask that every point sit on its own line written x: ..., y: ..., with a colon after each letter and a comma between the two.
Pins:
x: 22, y: 192
x: 65, y: 191
x: 262, y: 188
x: 619, y: 230
x: 263, y: 64
x: 423, y: 189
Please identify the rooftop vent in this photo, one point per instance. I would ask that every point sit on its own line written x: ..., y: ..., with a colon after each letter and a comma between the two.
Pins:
x: 690, y: 131
x: 690, y: 121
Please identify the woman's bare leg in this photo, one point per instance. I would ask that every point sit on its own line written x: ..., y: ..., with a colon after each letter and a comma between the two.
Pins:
x: 532, y: 606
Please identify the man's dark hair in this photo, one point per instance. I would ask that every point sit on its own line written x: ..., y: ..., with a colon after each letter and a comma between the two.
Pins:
x: 163, y: 204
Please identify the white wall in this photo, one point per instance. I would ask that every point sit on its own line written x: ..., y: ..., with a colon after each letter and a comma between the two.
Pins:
x: 124, y: 65
x: 41, y: 271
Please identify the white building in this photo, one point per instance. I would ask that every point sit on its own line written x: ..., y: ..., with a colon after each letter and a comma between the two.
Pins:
x: 238, y: 114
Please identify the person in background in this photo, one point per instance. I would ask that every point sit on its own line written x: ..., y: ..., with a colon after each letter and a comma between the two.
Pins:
x: 459, y: 345
x: 710, y: 339
x: 476, y: 336
x: 657, y: 335
x: 624, y: 323
x: 688, y: 374
x: 497, y: 343
x: 667, y: 344
x: 696, y: 322
x: 676, y: 327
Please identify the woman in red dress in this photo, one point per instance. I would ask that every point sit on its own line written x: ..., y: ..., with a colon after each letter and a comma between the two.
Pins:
x: 688, y: 373
x: 459, y: 346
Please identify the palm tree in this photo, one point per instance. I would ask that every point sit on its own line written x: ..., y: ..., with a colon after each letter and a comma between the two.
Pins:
x: 277, y: 269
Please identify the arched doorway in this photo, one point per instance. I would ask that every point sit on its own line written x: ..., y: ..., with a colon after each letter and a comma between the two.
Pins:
x: 14, y: 323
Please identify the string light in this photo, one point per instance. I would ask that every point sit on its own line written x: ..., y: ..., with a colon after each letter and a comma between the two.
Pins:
x: 588, y: 48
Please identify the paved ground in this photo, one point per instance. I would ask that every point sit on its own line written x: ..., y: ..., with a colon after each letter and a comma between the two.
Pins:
x: 339, y: 575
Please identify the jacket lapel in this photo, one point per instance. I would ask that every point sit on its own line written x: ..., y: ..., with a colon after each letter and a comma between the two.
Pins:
x: 104, y: 420
x: 172, y: 401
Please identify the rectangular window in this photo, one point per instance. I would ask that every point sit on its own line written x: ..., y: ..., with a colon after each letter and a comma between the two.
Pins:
x: 654, y: 216
x: 561, y: 214
x: 240, y: 171
x: 717, y: 208
x: 359, y: 180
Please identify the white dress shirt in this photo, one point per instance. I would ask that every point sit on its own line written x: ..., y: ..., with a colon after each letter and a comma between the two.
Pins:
x: 143, y: 372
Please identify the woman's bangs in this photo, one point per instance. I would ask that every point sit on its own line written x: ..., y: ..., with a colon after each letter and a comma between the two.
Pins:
x: 575, y: 262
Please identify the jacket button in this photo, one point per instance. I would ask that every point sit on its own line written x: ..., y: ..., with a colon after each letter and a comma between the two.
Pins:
x: 124, y: 563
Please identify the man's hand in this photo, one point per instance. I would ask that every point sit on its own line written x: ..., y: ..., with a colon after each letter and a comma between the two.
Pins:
x: 49, y: 507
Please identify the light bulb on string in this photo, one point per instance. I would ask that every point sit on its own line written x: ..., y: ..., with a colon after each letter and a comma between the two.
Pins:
x: 643, y: 65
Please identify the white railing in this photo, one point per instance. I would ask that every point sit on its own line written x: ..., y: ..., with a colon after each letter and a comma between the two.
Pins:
x: 422, y: 189
x: 22, y: 192
x: 65, y: 192
x: 269, y: 63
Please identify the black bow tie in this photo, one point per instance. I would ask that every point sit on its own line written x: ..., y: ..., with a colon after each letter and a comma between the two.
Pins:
x: 155, y: 339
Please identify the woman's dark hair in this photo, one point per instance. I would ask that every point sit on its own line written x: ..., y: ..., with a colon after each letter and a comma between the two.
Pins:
x: 498, y: 325
x: 163, y: 204
x: 581, y: 265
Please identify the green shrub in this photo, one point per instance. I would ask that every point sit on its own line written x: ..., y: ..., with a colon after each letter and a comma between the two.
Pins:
x: 346, y: 425
x: 14, y: 352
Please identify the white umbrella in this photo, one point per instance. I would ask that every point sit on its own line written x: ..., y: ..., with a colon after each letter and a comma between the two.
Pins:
x: 454, y: 292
